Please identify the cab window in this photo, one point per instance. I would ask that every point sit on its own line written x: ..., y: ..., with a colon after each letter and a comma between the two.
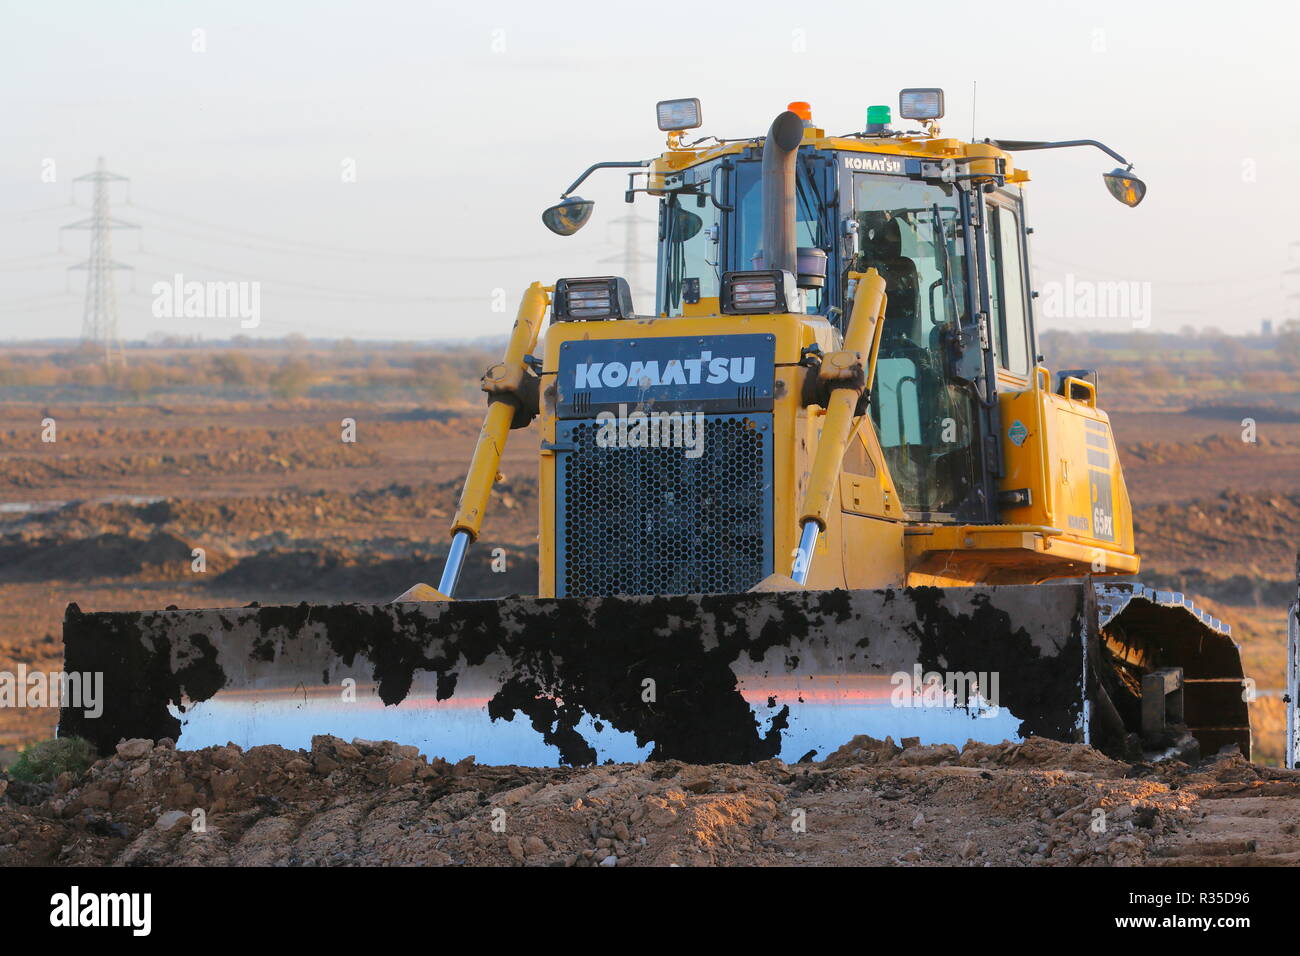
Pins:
x: 689, y: 227
x: 1007, y: 290
x: 748, y: 228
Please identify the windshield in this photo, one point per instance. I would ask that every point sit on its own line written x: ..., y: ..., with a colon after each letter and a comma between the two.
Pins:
x: 899, y: 234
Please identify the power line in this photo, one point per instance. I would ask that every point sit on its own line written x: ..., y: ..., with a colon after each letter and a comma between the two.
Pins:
x: 1093, y: 271
x: 32, y: 305
x: 33, y: 267
x: 100, y: 307
x: 43, y: 255
x: 64, y: 296
x: 31, y: 213
x: 305, y: 248
x: 358, y: 295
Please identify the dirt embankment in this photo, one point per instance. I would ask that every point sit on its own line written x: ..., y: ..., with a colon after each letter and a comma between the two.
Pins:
x: 315, y: 511
x: 1233, y: 533
x: 85, y: 429
x: 1206, y: 448
x: 36, y: 473
x: 360, y: 546
x: 295, y: 575
x: 364, y: 803
x: 1179, y: 456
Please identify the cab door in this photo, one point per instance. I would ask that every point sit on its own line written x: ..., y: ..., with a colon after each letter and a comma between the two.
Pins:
x: 1011, y: 327
x: 915, y: 234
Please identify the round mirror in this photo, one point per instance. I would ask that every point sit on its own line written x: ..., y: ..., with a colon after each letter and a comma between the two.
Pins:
x: 1124, y: 186
x: 568, y: 215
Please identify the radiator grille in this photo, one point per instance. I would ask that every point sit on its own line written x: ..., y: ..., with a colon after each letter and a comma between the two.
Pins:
x: 653, y: 521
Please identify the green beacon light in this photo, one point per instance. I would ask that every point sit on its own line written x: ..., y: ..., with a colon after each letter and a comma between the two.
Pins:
x: 878, y: 118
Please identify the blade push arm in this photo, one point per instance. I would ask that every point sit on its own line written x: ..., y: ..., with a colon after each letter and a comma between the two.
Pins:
x: 512, y: 402
x: 847, y: 374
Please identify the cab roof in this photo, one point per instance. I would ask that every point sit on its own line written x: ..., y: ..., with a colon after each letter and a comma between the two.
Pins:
x: 979, y: 160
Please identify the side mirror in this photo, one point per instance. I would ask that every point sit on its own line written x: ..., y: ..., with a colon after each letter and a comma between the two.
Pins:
x: 568, y: 215
x: 1124, y: 186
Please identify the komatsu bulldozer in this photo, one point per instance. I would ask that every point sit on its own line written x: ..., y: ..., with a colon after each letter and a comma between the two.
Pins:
x: 823, y: 486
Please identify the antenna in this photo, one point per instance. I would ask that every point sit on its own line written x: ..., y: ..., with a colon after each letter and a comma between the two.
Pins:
x: 974, y: 88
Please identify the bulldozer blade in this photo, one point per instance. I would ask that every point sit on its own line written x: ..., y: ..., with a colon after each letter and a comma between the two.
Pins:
x: 715, y: 678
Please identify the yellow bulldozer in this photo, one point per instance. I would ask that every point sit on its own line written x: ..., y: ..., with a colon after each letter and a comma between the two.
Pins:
x: 824, y: 487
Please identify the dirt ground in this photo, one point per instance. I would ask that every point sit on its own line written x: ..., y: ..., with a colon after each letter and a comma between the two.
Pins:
x: 871, y: 803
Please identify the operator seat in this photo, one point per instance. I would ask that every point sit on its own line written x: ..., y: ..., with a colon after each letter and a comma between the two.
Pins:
x: 901, y: 338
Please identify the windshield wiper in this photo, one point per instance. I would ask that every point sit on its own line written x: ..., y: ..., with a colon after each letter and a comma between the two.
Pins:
x: 807, y: 183
x: 942, y: 237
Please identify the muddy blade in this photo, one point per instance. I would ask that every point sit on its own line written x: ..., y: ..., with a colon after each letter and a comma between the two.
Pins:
x: 725, y: 678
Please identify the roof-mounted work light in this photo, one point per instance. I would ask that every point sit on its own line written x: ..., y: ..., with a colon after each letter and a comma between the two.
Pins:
x: 924, y: 103
x: 678, y: 114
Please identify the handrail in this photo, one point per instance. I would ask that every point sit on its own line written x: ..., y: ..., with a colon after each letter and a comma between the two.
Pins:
x: 1088, y: 386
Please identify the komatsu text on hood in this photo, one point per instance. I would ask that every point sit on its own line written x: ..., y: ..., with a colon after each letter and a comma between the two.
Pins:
x: 705, y: 371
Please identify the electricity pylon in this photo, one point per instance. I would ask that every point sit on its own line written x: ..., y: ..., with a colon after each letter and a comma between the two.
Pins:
x: 99, y: 314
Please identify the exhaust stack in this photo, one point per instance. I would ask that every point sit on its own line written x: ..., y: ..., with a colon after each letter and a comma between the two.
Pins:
x: 779, y: 151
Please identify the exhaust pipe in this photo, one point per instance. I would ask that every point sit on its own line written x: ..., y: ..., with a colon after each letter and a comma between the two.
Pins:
x: 779, y: 151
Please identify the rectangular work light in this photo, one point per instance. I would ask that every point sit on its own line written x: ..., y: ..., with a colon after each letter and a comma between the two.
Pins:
x: 678, y: 114
x: 592, y: 299
x: 920, y: 104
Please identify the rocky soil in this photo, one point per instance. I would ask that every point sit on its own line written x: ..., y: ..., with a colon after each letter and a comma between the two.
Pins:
x: 1039, y: 803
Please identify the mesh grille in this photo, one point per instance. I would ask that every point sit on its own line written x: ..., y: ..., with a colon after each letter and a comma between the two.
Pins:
x: 652, y: 521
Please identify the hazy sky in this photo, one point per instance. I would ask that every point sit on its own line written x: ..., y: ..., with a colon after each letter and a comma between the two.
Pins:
x: 463, y: 121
